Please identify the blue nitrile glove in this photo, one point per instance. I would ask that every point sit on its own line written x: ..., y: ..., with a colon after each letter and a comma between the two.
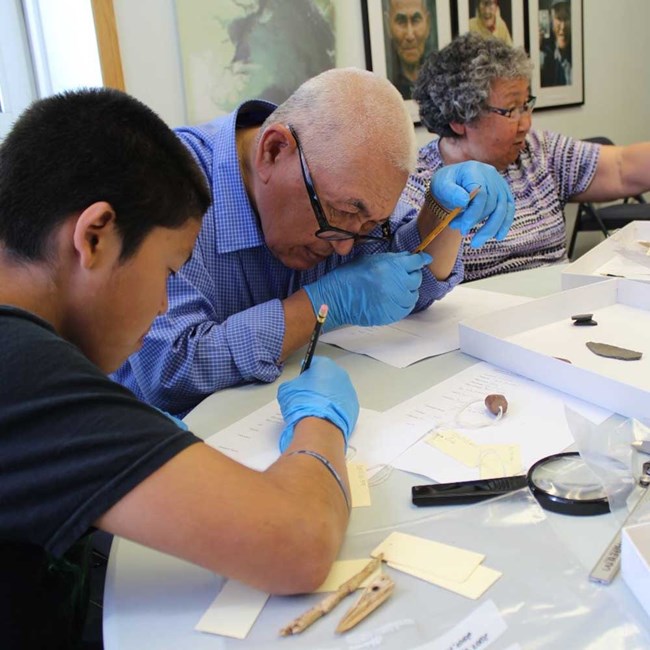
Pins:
x: 323, y: 391
x: 370, y: 290
x: 179, y: 423
x: 494, y: 203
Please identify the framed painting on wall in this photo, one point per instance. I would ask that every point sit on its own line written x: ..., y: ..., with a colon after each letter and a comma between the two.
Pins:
x: 398, y: 36
x: 501, y: 18
x: 232, y: 51
x: 556, y: 50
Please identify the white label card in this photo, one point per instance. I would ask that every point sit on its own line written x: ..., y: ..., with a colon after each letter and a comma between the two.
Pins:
x: 475, y: 632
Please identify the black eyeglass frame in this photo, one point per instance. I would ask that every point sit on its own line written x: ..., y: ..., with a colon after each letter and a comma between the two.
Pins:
x: 326, y: 230
x: 528, y: 107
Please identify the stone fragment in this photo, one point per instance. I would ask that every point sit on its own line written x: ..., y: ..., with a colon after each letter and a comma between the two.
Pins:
x: 613, y: 351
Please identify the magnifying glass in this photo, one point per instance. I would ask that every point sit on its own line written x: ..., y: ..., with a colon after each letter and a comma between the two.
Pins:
x: 561, y: 483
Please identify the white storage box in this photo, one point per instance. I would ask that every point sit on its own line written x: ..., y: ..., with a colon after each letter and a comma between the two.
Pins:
x: 621, y: 254
x: 635, y: 562
x: 530, y: 339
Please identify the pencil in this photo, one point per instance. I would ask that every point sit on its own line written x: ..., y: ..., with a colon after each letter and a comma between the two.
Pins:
x: 437, y: 229
x: 309, y: 355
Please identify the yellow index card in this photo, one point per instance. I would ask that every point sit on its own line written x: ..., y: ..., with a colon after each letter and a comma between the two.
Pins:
x: 343, y: 570
x: 479, y: 581
x: 359, y: 490
x: 456, y: 445
x: 496, y: 461
x: 234, y: 610
x: 446, y: 562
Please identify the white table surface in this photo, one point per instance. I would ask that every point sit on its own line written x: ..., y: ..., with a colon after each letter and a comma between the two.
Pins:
x: 153, y: 601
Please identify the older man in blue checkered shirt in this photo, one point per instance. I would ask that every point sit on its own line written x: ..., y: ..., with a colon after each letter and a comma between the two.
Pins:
x: 305, y: 211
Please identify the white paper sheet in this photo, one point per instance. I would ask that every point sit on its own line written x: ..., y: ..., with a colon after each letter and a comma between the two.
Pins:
x: 624, y: 267
x: 375, y: 442
x: 535, y: 420
x: 425, y: 334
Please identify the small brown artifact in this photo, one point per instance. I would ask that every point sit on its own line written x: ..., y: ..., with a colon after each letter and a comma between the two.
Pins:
x: 496, y: 404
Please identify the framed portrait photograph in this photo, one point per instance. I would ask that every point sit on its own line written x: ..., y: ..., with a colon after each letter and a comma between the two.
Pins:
x: 231, y: 50
x: 556, y: 50
x: 398, y: 36
x: 503, y: 19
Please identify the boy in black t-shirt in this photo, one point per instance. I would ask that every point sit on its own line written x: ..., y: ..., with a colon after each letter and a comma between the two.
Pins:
x: 99, y: 203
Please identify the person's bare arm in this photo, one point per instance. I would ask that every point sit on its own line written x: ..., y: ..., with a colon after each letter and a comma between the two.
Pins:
x: 299, y: 321
x: 621, y: 172
x: 278, y: 530
x: 444, y: 247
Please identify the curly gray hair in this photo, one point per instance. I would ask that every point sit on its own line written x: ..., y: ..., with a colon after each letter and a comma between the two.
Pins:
x: 454, y: 84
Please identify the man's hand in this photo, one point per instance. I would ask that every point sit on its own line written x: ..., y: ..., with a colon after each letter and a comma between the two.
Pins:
x: 494, y: 203
x: 371, y: 290
x: 323, y: 391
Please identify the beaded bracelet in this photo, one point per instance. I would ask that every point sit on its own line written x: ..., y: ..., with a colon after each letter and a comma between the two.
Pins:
x: 329, y: 466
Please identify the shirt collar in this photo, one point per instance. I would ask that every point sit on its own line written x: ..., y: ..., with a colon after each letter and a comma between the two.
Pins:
x: 236, y: 224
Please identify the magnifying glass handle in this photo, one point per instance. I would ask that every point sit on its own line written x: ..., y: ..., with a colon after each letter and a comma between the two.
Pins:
x: 609, y: 562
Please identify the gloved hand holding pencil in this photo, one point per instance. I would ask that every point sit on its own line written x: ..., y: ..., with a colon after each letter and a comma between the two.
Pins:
x: 323, y: 391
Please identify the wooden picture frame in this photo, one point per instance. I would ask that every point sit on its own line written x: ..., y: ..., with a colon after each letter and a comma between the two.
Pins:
x: 557, y: 81
x: 107, y: 43
x: 510, y: 20
x: 381, y: 52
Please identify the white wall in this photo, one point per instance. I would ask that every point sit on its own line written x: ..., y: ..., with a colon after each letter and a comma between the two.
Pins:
x: 616, y: 55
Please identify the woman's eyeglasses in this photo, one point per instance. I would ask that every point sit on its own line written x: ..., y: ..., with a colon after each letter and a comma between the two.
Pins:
x: 517, y: 112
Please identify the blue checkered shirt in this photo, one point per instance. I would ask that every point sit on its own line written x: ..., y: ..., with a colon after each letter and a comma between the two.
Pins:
x: 225, y: 323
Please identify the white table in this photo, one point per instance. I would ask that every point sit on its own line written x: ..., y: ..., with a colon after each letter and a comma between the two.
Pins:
x: 153, y: 601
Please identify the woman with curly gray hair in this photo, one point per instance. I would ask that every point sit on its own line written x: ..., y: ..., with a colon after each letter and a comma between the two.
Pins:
x: 475, y: 94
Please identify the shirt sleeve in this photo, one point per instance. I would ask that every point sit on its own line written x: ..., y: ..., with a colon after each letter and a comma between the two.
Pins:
x: 189, y: 353
x: 73, y: 443
x: 574, y: 163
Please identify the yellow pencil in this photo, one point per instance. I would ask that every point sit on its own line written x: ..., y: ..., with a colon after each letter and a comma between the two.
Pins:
x: 320, y: 319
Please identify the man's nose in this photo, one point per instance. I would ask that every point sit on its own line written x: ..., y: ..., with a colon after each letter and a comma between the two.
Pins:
x: 343, y: 247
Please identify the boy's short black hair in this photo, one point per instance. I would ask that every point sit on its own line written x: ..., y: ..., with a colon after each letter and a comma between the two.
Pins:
x: 71, y: 150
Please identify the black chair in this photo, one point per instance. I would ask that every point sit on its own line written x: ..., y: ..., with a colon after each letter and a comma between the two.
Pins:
x: 590, y: 217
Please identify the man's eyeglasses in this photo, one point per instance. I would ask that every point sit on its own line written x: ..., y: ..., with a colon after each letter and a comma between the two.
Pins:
x: 517, y: 112
x: 327, y: 231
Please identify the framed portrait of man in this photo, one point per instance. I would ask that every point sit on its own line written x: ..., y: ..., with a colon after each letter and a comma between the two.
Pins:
x: 399, y: 35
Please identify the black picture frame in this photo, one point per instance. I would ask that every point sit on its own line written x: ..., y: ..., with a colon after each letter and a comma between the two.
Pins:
x: 512, y: 17
x: 381, y: 56
x: 549, y: 81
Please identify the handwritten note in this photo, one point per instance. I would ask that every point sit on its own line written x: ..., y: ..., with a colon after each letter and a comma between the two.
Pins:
x: 359, y: 489
x: 457, y: 446
x: 535, y: 421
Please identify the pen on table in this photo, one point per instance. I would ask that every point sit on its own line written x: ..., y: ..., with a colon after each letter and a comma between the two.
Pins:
x: 437, y: 229
x: 642, y: 446
x: 309, y: 355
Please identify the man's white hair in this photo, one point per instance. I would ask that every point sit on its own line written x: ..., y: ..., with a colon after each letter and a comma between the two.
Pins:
x: 343, y: 110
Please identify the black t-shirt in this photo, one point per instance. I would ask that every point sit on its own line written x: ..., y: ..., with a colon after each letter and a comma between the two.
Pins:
x: 72, y: 444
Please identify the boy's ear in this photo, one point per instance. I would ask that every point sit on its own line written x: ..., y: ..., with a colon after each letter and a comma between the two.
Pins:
x: 95, y: 236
